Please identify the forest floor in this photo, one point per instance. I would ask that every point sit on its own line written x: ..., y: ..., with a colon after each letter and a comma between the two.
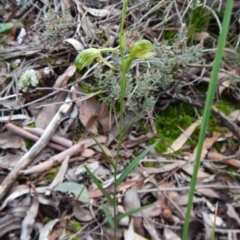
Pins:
x: 55, y: 120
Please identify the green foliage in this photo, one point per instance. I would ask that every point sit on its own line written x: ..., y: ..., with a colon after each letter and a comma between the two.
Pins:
x: 78, y: 190
x: 169, y: 124
x: 99, y: 185
x: 4, y: 29
x: 133, y: 164
x: 51, y: 175
x: 169, y: 36
x: 54, y: 26
x: 226, y: 106
x: 29, y: 143
x: 142, y: 49
x: 198, y: 20
x: 141, y: 87
x: 74, y: 225
x: 173, y: 120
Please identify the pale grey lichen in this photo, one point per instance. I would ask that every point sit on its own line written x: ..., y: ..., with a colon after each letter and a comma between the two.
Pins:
x: 28, y: 79
x: 48, y: 70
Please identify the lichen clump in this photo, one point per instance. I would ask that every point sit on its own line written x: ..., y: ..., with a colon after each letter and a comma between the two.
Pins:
x: 28, y: 79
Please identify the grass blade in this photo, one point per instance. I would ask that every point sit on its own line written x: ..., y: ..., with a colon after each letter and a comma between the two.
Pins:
x: 133, y: 211
x: 133, y: 164
x: 105, y: 154
x: 108, y: 216
x: 99, y: 185
x: 207, y: 109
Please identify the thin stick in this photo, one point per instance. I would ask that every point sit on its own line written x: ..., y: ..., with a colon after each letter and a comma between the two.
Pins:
x: 36, y: 148
x: 25, y: 134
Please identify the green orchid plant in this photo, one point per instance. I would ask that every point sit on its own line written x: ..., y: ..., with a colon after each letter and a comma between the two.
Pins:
x: 142, y: 49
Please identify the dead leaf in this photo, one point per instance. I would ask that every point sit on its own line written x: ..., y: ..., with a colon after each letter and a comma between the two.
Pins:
x: 10, y: 140
x: 29, y: 220
x: 46, y: 230
x: 199, y: 36
x: 10, y: 160
x: 223, y: 86
x: 207, y: 192
x: 188, y: 168
x: 87, y: 110
x: 75, y: 43
x: 208, y: 143
x: 47, y: 113
x: 165, y: 168
x: 105, y: 118
x: 130, y: 234
x: 170, y: 235
x: 151, y: 229
x: 115, y: 129
x: 182, y: 139
x: 81, y: 213
x: 58, y: 230
x: 9, y: 223
x: 154, y: 210
x: 59, y: 177
x: 101, y: 12
x: 235, y: 116
x: 231, y: 212
x: 210, y: 220
x: 223, y: 159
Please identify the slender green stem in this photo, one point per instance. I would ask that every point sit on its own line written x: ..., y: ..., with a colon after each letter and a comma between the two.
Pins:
x: 207, y: 109
x: 123, y: 92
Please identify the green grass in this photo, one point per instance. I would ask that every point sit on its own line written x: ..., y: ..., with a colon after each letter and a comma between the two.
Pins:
x: 207, y: 110
x: 197, y: 21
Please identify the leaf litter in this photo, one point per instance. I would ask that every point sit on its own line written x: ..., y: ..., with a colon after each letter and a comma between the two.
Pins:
x: 39, y: 199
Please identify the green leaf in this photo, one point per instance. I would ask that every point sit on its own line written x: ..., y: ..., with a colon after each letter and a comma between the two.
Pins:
x: 79, y: 190
x: 133, y: 164
x: 222, y: 39
x: 108, y: 216
x: 134, y: 120
x: 105, y: 154
x: 133, y: 211
x: 4, y: 27
x: 99, y: 185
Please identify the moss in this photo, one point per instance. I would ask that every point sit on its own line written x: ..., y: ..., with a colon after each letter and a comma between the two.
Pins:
x: 150, y: 164
x: 51, y: 175
x: 73, y: 226
x: 170, y: 123
x: 226, y: 106
x: 32, y: 125
x: 29, y: 143
x: 47, y: 219
x: 173, y: 120
x: 169, y: 36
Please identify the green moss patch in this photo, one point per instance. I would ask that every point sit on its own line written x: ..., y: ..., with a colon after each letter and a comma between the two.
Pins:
x: 173, y: 121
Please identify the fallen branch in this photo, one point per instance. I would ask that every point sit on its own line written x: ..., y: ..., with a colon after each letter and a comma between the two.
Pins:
x: 74, y: 150
x: 57, y: 139
x: 36, y: 148
x: 26, y: 134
